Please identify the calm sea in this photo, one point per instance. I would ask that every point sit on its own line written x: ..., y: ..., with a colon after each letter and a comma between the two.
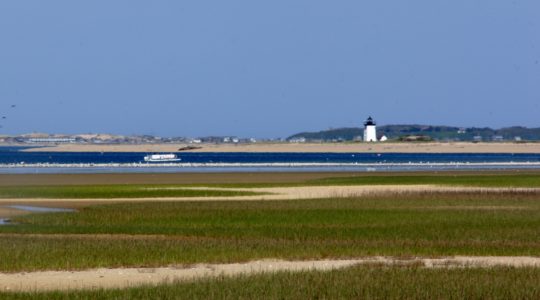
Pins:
x: 13, y: 160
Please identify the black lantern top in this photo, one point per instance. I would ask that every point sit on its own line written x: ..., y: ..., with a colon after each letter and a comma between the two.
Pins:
x: 369, y: 121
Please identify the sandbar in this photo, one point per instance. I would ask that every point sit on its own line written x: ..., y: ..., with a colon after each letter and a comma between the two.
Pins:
x: 392, y: 147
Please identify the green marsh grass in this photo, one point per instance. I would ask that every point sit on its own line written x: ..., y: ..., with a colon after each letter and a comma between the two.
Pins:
x: 521, y: 180
x: 113, y: 191
x: 170, y: 190
x: 487, y: 180
x: 163, y: 233
x: 362, y: 282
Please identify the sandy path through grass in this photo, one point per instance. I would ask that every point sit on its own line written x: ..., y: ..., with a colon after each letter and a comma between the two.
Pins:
x: 126, y: 277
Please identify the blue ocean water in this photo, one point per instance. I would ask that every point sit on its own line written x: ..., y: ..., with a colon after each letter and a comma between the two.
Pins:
x: 16, y: 157
x: 13, y: 160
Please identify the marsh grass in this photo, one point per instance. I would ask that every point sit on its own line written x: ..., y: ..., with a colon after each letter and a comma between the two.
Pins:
x: 361, y: 282
x: 163, y: 233
x: 447, y: 179
x: 112, y: 191
x: 158, y: 190
x: 488, y: 180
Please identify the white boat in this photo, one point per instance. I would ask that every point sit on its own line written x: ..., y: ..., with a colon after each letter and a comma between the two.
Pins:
x: 161, y: 158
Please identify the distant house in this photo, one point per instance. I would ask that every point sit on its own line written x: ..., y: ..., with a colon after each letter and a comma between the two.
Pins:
x: 462, y: 131
x: 477, y: 138
x: 298, y: 140
x: 51, y: 140
x: 497, y: 138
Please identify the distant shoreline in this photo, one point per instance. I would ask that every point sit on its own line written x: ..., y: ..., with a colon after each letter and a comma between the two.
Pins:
x: 457, y: 147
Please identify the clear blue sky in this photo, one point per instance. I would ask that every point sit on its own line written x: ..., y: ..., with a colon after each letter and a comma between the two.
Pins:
x: 266, y: 68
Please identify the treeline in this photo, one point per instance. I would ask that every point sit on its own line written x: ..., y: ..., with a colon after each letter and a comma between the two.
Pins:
x: 439, y: 133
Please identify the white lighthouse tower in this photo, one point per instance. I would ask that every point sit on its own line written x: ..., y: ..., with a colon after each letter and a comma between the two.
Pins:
x: 370, y: 130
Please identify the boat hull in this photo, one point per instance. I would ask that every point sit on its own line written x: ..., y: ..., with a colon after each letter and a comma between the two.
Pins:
x: 162, y: 160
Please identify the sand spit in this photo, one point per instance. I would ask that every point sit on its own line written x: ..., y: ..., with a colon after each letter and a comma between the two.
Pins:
x: 127, y: 277
x: 458, y: 147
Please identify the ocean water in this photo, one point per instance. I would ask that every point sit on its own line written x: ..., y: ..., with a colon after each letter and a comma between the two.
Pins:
x: 13, y: 160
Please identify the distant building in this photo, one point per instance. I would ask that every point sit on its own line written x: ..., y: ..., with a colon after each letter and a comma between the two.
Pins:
x: 383, y: 138
x: 477, y: 138
x: 298, y: 140
x: 370, y: 130
x: 50, y: 140
x: 462, y: 130
x: 497, y: 138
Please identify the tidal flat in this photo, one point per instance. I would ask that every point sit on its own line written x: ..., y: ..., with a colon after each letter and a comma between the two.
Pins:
x: 501, y: 219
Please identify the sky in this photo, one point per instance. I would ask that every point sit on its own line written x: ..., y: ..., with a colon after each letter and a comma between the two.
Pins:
x: 265, y: 69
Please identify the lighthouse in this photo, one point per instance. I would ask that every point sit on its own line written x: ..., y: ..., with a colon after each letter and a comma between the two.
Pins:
x: 370, y: 131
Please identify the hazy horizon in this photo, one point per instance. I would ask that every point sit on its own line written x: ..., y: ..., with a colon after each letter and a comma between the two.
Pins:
x: 240, y: 136
x: 265, y: 70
